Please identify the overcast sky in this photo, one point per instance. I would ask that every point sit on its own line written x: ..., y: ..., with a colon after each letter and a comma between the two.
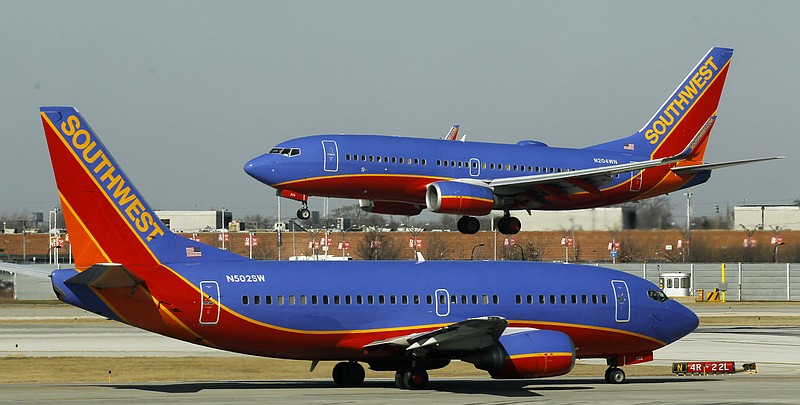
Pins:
x: 183, y: 93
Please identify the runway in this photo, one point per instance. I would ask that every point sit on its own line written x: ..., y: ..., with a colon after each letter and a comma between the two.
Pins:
x: 63, y: 331
x: 772, y: 389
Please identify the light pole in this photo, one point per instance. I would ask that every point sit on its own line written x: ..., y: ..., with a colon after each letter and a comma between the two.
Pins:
x: 472, y: 256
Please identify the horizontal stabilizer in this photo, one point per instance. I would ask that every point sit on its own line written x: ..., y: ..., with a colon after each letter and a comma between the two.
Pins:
x: 712, y: 166
x: 106, y: 275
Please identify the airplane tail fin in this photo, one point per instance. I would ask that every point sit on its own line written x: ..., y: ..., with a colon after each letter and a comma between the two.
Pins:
x: 107, y: 218
x: 682, y: 124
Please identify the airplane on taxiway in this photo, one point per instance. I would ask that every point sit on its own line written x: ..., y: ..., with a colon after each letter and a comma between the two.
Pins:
x: 513, y: 319
x: 402, y: 175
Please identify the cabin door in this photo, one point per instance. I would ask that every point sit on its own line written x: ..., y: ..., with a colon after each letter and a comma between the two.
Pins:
x: 331, y: 152
x: 474, y: 167
x: 209, y: 303
x: 442, y: 302
x: 623, y: 306
x: 636, y: 181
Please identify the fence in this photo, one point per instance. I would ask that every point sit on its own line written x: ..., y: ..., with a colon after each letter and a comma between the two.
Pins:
x: 746, y: 281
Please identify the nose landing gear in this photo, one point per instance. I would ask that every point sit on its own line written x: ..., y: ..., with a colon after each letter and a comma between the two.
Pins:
x: 303, y: 213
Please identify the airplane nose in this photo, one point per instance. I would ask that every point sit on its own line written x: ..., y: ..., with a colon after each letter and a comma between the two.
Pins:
x: 678, y: 322
x: 260, y: 168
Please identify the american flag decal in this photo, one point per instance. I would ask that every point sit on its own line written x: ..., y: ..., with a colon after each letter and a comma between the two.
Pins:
x: 193, y: 251
x: 628, y: 146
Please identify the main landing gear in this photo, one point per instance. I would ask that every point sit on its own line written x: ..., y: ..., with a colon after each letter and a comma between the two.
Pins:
x: 413, y: 379
x: 507, y: 225
x: 348, y: 374
x: 303, y: 213
x: 615, y: 375
x: 468, y: 225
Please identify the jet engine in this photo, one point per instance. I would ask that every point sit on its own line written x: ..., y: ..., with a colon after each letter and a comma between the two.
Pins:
x: 529, y: 354
x: 454, y: 197
x: 389, y: 207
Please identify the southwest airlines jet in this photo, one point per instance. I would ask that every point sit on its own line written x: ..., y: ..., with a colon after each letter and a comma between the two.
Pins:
x: 402, y: 175
x: 511, y: 319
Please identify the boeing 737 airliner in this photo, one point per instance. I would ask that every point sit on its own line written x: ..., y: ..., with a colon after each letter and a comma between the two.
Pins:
x: 512, y: 319
x: 402, y: 175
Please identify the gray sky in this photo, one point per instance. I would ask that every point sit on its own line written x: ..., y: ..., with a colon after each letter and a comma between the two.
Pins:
x: 183, y: 93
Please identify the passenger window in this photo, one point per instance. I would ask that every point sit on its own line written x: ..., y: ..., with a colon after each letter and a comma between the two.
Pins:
x: 257, y: 299
x: 563, y: 299
x: 574, y: 299
x: 552, y: 299
x: 519, y: 299
x: 348, y: 300
x: 381, y: 299
x: 336, y: 299
x: 605, y: 299
x: 313, y: 300
x: 594, y: 298
x: 464, y: 299
x: 541, y: 299
x: 485, y: 299
x: 429, y: 299
x: 584, y: 299
x: 244, y: 300
x: 393, y: 299
x: 325, y: 300
x: 474, y: 299
x: 280, y: 300
x: 268, y: 300
x: 530, y: 299
x: 359, y: 300
x: 291, y: 300
x: 495, y: 299
x: 416, y: 299
x: 370, y: 299
x: 302, y: 300
x: 347, y: 157
x: 404, y: 299
x: 442, y: 299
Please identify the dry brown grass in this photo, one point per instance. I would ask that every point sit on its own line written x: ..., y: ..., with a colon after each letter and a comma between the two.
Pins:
x: 48, y: 370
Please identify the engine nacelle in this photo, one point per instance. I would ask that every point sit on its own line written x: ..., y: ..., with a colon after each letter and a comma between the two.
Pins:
x: 389, y: 207
x: 453, y: 197
x: 531, y: 354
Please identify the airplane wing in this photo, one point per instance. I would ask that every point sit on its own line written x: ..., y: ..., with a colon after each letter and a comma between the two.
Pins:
x: 591, y: 180
x: 572, y: 181
x: 465, y: 336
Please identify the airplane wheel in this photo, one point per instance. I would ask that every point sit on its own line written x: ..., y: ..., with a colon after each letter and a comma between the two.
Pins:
x: 399, y: 379
x: 348, y: 374
x: 303, y: 213
x: 509, y: 225
x: 468, y: 225
x: 415, y: 379
x: 615, y: 375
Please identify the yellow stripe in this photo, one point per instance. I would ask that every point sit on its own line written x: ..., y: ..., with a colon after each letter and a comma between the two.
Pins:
x: 532, y: 355
x: 342, y: 176
x: 65, y: 204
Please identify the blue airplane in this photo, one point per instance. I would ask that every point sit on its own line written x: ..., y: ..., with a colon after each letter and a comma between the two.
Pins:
x: 512, y: 319
x: 402, y: 175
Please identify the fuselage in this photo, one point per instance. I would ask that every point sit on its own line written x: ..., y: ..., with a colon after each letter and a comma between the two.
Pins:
x: 399, y: 169
x: 326, y: 311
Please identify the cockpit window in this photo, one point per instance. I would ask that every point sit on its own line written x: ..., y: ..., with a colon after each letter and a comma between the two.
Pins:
x: 657, y: 295
x: 285, y: 151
